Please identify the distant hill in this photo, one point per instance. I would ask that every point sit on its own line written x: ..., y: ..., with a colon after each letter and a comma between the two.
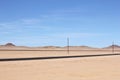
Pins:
x: 50, y: 47
x: 8, y: 45
x: 11, y: 46
x: 81, y: 48
x: 111, y: 46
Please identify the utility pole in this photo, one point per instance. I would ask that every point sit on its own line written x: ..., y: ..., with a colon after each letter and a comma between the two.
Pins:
x: 68, y: 47
x: 113, y: 47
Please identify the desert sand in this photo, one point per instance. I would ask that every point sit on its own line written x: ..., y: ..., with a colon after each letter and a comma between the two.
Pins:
x: 86, y: 68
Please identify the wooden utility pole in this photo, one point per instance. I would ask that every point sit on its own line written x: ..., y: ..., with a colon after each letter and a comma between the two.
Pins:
x: 113, y: 48
x: 68, y: 46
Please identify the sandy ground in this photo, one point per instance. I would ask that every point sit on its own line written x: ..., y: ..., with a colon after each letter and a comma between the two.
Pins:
x: 19, y: 54
x: 93, y: 68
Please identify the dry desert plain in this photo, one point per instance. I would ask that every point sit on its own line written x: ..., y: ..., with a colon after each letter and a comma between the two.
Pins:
x: 83, y: 68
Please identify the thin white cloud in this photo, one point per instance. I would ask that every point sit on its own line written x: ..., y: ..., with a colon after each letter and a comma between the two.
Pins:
x: 34, y: 24
x: 75, y: 10
x: 30, y: 21
x: 51, y: 16
x: 21, y: 25
x: 76, y: 35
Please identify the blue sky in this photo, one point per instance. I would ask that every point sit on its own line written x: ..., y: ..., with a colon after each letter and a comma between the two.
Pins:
x: 94, y: 23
